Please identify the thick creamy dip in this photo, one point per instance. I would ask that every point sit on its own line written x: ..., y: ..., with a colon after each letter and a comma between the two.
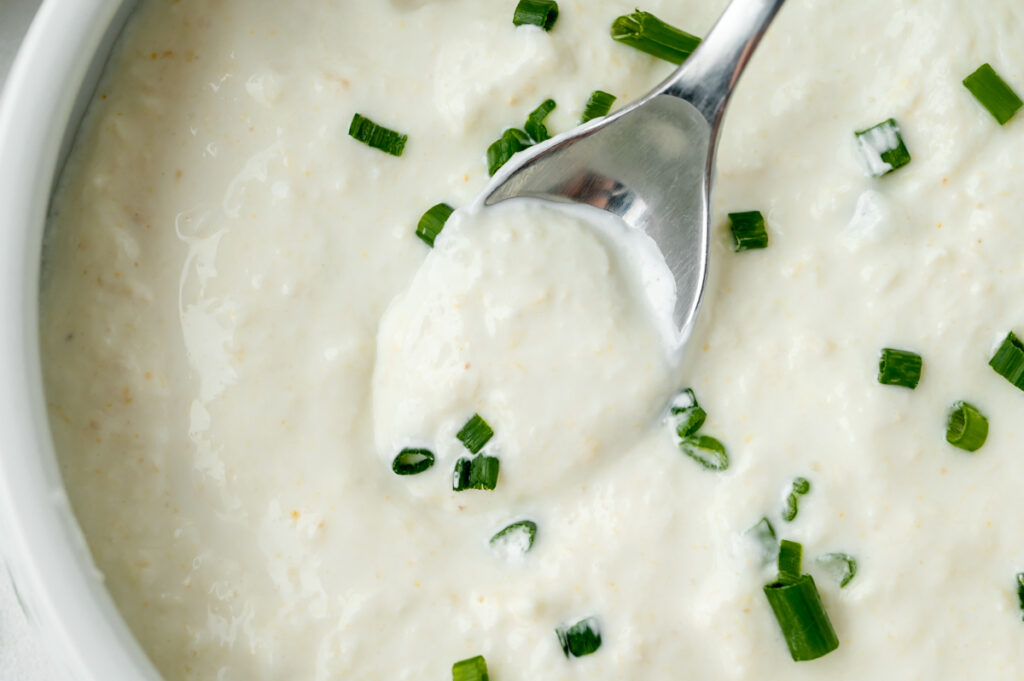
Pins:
x: 227, y: 383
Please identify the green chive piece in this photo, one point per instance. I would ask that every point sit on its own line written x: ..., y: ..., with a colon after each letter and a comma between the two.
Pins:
x: 475, y: 434
x: 764, y: 534
x: 791, y: 556
x: 899, y: 367
x: 412, y: 461
x: 841, y: 566
x: 993, y: 93
x: 582, y: 638
x: 505, y: 147
x: 966, y: 428
x: 883, y: 148
x: 535, y: 127
x: 473, y: 669
x: 541, y: 13
x: 687, y: 413
x: 1008, y: 361
x: 433, y: 222
x: 649, y: 34
x: 598, y: 105
x: 1020, y: 592
x: 705, y: 450
x: 800, y: 487
x: 748, y: 230
x: 377, y: 136
x: 802, y: 618
x: 480, y: 472
x: 516, y: 539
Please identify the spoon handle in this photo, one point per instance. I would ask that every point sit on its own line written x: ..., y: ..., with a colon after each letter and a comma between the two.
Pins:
x: 707, y: 78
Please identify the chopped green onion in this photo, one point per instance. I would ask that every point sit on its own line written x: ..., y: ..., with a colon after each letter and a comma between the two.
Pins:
x: 649, y: 34
x: 516, y: 539
x: 688, y: 414
x: 535, y: 127
x: 1008, y: 361
x: 541, y: 13
x: 582, y: 638
x: 791, y: 556
x: 899, y: 367
x: 473, y: 669
x: 475, y: 434
x: 967, y: 428
x: 993, y: 93
x: 505, y: 147
x: 598, y: 105
x: 480, y: 472
x: 412, y: 461
x: 801, y: 486
x: 802, y: 618
x: 748, y: 230
x: 377, y: 136
x: 883, y: 148
x: 842, y: 567
x: 764, y: 534
x: 1020, y: 592
x: 433, y: 222
x: 705, y: 450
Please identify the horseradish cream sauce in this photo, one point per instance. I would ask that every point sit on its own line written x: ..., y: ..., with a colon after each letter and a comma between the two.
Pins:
x: 240, y: 331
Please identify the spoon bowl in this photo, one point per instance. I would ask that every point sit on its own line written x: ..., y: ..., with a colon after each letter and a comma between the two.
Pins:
x: 652, y: 164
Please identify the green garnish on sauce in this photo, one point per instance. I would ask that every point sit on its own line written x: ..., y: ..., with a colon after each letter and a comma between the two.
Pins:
x: 541, y: 13
x: 899, y: 367
x: 800, y: 487
x: 480, y: 472
x: 598, y: 104
x: 412, y: 461
x: 475, y: 434
x: 473, y: 669
x: 705, y: 450
x: 748, y: 230
x: 796, y: 603
x: 516, y: 538
x: 649, y: 34
x: 841, y: 566
x: 1008, y: 361
x: 883, y: 148
x: 377, y: 136
x: 511, y: 142
x: 764, y: 534
x: 535, y: 127
x: 582, y: 638
x: 687, y: 413
x: 432, y: 222
x: 993, y: 93
x: 966, y: 427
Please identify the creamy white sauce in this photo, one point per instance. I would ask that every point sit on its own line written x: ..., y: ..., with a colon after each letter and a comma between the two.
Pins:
x: 240, y: 329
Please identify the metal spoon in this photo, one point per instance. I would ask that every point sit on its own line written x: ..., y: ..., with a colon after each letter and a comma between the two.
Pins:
x: 653, y: 162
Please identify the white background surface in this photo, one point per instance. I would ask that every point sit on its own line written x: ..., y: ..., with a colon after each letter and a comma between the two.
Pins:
x: 23, y: 657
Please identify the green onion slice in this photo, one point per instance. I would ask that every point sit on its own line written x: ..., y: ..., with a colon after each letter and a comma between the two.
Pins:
x: 802, y: 618
x: 412, y: 461
x: 516, y: 539
x: 764, y: 534
x: 535, y: 127
x: 582, y: 638
x: 1008, y: 361
x: 705, y: 450
x: 541, y: 13
x: 1020, y: 592
x: 883, y: 148
x: 687, y: 413
x: 433, y: 222
x: 899, y: 367
x: 377, y: 136
x: 649, y: 34
x: 800, y: 487
x: 480, y: 472
x: 841, y: 566
x: 473, y: 669
x: 475, y: 434
x: 993, y: 93
x: 598, y: 105
x: 748, y: 230
x: 966, y: 428
x: 505, y: 147
x: 791, y: 556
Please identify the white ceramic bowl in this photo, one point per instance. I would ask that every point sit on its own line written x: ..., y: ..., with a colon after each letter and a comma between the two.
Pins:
x: 47, y: 90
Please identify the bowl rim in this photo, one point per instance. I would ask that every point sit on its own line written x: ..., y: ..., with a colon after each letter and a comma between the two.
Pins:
x: 58, y: 584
